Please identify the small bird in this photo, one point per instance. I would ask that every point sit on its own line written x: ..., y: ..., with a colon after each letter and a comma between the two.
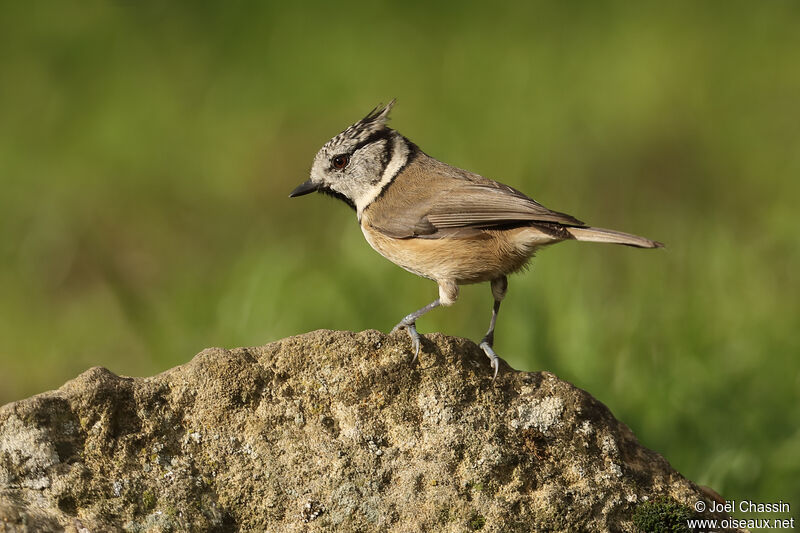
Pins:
x: 437, y: 221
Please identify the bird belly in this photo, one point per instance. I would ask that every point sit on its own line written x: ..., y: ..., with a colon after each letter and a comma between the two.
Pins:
x: 483, y: 256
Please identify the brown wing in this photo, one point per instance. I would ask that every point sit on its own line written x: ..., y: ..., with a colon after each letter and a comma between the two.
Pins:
x: 431, y: 199
x: 489, y: 204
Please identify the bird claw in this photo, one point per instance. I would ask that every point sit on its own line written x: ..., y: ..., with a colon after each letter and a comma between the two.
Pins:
x: 494, y: 360
x: 415, y: 337
x: 415, y: 342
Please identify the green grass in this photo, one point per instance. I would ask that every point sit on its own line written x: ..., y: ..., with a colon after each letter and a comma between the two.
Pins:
x: 147, y: 150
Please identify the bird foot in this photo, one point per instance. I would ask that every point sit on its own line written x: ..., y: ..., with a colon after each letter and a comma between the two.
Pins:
x: 415, y: 337
x: 494, y: 360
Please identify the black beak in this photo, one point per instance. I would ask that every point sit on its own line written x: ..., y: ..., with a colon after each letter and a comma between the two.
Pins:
x: 304, y: 188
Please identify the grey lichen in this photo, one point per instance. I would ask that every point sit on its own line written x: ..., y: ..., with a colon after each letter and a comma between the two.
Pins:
x: 539, y: 413
x: 27, y: 455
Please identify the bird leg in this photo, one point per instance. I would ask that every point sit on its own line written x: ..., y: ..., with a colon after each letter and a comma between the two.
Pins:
x: 409, y: 323
x: 499, y: 288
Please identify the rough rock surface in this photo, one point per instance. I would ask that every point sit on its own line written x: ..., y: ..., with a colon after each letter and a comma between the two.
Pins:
x: 328, y: 431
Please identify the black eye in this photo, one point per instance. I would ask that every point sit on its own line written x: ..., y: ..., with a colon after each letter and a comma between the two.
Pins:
x: 340, y: 161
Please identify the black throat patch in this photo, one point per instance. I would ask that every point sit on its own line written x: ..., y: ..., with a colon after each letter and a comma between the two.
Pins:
x: 330, y: 192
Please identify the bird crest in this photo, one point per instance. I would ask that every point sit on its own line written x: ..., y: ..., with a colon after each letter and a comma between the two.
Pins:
x: 367, y: 128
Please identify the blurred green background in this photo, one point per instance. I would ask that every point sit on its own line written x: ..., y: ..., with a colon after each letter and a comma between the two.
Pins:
x: 147, y: 150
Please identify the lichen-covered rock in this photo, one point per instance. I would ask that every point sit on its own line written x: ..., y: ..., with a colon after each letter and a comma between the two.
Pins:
x: 328, y: 431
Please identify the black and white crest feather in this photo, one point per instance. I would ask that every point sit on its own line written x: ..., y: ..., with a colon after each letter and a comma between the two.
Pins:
x: 369, y: 129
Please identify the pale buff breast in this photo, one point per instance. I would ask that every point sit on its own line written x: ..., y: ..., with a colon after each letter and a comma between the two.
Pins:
x: 473, y: 259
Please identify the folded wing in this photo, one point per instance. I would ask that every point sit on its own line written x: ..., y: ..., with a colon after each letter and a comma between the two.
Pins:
x: 432, y: 200
x: 490, y: 204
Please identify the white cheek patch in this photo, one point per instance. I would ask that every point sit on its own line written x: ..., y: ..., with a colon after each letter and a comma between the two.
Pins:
x: 399, y: 158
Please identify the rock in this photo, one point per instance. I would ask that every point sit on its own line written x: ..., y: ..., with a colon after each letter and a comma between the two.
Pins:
x: 328, y: 431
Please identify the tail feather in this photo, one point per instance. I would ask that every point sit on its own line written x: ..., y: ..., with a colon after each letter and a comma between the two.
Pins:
x: 611, y: 236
